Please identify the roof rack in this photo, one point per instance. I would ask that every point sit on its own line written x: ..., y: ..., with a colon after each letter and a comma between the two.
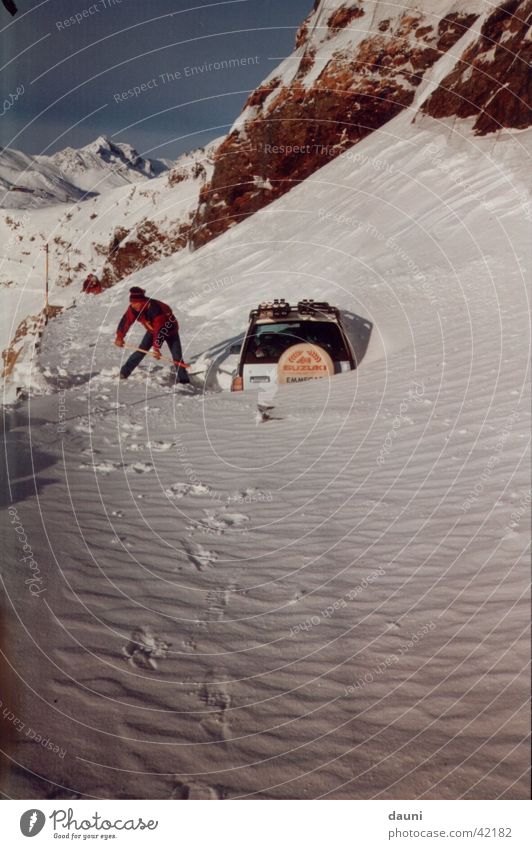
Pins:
x: 310, y: 307
x: 279, y: 308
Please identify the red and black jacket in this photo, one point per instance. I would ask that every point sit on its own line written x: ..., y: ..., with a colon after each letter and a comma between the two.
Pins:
x: 155, y: 316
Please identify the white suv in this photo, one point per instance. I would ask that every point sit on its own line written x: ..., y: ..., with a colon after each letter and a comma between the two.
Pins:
x: 292, y: 344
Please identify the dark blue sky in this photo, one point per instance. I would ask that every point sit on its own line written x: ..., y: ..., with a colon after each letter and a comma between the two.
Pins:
x: 74, y: 76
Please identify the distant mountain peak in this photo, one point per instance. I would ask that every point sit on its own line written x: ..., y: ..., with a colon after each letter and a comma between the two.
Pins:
x: 120, y: 156
x: 73, y: 174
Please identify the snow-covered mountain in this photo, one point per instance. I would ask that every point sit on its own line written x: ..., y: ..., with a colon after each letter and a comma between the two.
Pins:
x: 122, y: 160
x: 355, y: 66
x: 71, y: 175
x: 333, y: 603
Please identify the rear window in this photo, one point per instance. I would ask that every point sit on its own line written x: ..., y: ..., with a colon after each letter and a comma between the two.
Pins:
x: 269, y: 341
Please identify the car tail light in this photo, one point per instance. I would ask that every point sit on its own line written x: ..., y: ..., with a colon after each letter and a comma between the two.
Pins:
x: 237, y: 384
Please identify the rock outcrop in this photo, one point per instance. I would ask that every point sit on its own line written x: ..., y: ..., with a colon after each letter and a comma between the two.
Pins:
x: 356, y: 66
x: 168, y: 230
x: 492, y: 80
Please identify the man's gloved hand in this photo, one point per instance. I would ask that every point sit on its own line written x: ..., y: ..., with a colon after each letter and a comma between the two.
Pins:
x: 156, y: 354
x: 119, y: 342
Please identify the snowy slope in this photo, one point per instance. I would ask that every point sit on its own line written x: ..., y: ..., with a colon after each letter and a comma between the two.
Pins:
x: 27, y: 181
x: 330, y: 604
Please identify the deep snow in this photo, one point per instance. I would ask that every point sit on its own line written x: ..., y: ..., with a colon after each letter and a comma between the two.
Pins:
x: 333, y: 603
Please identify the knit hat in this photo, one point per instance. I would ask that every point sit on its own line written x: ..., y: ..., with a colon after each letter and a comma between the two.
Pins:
x: 137, y: 294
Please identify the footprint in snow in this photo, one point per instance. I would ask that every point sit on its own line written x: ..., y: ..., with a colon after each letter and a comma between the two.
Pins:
x: 138, y: 468
x: 104, y: 468
x: 218, y: 700
x: 201, y: 557
x: 179, y: 490
x: 220, y: 522
x: 298, y: 595
x: 249, y: 495
x: 217, y: 601
x: 130, y: 426
x: 84, y: 427
x: 194, y: 791
x: 144, y: 648
x: 156, y: 447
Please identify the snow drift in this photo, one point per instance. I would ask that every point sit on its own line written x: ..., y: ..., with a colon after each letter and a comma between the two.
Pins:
x: 330, y: 604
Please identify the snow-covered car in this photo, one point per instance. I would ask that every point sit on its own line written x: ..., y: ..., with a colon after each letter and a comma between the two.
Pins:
x: 292, y: 344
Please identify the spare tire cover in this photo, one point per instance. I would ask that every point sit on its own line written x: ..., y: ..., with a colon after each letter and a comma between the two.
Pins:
x: 304, y: 362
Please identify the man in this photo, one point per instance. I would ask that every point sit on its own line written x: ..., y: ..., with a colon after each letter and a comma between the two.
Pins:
x: 92, y: 286
x: 161, y: 326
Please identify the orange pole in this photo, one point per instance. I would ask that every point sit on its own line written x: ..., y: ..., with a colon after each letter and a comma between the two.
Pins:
x: 46, y: 286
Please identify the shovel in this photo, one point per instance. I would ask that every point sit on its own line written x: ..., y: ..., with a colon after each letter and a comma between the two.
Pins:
x: 152, y: 354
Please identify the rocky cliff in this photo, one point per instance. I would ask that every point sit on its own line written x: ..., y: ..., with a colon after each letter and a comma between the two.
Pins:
x: 492, y: 81
x: 356, y: 65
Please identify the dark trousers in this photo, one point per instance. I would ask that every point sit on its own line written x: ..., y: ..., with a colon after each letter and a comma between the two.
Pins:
x: 173, y: 342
